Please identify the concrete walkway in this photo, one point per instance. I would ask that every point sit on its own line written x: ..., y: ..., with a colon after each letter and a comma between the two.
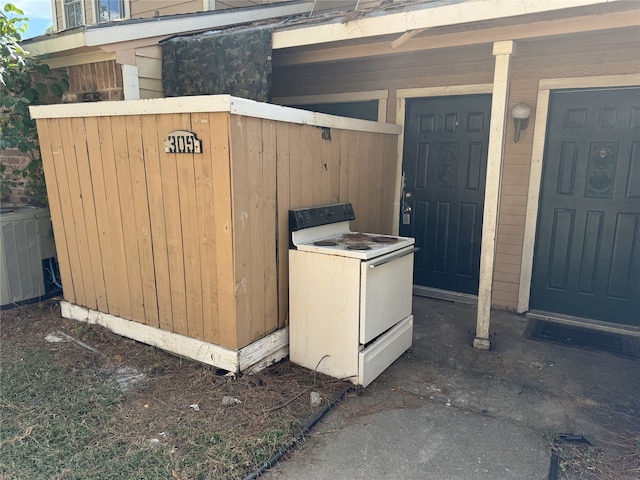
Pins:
x: 449, y: 412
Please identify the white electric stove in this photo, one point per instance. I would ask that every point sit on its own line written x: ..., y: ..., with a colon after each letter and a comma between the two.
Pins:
x: 349, y: 295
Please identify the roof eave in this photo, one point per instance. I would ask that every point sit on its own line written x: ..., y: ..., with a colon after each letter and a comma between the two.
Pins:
x: 98, y: 35
x: 429, y: 15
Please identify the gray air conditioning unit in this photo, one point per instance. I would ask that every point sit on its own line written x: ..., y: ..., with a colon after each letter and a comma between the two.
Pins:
x: 28, y: 270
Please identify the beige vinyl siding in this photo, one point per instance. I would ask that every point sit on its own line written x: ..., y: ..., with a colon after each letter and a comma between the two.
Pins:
x: 150, y: 74
x: 148, y: 8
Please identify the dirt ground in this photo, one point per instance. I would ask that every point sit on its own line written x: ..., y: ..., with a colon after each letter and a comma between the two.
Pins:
x: 168, y: 401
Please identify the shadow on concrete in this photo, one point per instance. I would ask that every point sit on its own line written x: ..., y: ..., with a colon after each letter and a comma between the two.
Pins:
x: 447, y: 411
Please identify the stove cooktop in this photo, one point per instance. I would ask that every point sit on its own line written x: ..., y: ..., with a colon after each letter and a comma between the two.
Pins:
x: 356, y: 245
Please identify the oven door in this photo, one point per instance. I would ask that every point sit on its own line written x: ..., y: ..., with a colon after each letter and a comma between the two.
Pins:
x: 386, y: 289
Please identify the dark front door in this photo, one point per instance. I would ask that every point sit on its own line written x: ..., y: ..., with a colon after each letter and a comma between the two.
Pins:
x: 444, y: 164
x: 587, y: 251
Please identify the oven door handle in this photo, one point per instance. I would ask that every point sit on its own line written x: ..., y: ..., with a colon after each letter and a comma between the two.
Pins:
x: 403, y: 253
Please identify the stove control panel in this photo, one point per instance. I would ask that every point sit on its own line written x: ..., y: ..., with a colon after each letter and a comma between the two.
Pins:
x: 317, y: 216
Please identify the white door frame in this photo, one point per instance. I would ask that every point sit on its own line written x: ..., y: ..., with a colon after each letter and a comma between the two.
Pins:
x: 545, y: 86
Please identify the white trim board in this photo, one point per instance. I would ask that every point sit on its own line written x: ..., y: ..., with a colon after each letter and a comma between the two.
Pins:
x: 260, y: 354
x: 431, y: 15
x: 445, y: 91
x: 333, y: 97
x: 211, y: 103
x: 545, y: 86
x: 80, y: 59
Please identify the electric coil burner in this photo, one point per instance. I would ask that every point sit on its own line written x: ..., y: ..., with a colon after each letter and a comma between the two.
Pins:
x: 349, y: 295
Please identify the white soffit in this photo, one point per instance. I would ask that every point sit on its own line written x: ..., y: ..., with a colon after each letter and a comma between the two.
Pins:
x: 93, y: 35
x: 165, y: 26
x: 57, y: 43
x: 430, y: 16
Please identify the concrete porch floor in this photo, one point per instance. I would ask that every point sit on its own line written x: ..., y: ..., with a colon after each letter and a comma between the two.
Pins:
x: 447, y: 411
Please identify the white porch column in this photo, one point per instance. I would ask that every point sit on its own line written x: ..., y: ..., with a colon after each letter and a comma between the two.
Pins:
x: 503, y: 52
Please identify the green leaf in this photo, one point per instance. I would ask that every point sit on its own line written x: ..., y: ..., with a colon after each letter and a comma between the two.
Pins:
x: 56, y: 89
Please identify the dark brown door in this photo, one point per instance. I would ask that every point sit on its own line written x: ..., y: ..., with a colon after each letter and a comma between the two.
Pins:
x: 587, y: 251
x: 444, y: 164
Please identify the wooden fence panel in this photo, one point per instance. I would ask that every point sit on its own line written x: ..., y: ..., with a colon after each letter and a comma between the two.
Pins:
x: 49, y: 158
x: 142, y: 222
x: 127, y: 215
x: 225, y: 276
x: 204, y: 189
x: 283, y: 174
x: 195, y: 244
x: 78, y: 133
x: 60, y: 152
x: 101, y: 210
x: 153, y: 173
x: 190, y: 238
x: 269, y: 213
x: 120, y: 289
x: 173, y: 226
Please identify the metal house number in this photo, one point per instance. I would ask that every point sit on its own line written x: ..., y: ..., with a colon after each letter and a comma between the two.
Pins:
x: 182, y: 141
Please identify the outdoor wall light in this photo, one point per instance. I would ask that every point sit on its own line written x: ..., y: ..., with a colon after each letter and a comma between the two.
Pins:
x: 520, y: 114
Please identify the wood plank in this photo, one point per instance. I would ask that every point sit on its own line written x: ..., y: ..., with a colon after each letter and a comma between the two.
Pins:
x: 354, y: 181
x: 141, y: 208
x: 334, y: 167
x: 256, y: 287
x: 308, y: 185
x: 296, y: 198
x: 79, y: 133
x: 172, y: 222
x: 59, y: 132
x: 127, y: 214
x: 51, y: 155
x: 78, y: 206
x: 344, y: 140
x: 119, y: 299
x: 313, y: 165
x: 204, y: 188
x: 225, y: 275
x: 190, y: 233
x: 151, y: 141
x: 101, y: 214
x: 269, y: 215
x: 391, y: 166
x: 241, y: 209
x: 184, y: 346
x: 326, y: 170
x: 284, y: 202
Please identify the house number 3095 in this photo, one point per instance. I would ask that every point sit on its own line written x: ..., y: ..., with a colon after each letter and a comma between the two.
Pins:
x: 182, y: 141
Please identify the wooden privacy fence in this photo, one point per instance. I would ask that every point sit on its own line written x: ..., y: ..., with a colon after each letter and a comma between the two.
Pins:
x: 195, y: 243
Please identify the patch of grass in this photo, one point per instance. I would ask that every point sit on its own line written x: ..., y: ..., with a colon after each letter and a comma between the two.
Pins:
x: 59, y: 423
x: 50, y: 414
x: 63, y: 414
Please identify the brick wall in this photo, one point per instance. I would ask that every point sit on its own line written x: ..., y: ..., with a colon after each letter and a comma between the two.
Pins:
x: 104, y: 78
x: 14, y: 160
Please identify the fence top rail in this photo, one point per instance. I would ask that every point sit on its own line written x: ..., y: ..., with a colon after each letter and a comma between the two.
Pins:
x: 210, y: 104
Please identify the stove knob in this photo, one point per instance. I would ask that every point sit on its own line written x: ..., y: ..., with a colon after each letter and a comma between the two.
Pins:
x: 328, y: 213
